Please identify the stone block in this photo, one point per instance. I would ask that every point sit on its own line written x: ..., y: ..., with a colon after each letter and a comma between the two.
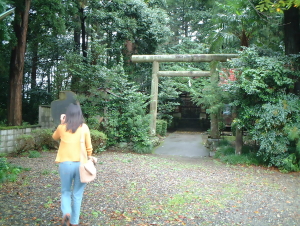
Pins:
x: 10, y: 144
x: 3, y: 145
x: 212, y: 153
x: 3, y: 132
x: 10, y: 149
x: 3, y: 138
x: 10, y: 137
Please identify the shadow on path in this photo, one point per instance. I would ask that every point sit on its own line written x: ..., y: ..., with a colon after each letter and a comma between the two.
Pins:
x: 185, y: 144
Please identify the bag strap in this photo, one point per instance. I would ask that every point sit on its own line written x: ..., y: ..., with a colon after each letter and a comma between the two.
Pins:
x: 83, y: 155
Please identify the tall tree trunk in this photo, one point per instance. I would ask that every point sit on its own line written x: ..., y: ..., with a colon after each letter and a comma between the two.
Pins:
x: 20, y: 25
x: 186, y: 28
x: 75, y: 81
x: 33, y: 96
x: 239, y: 141
x: 109, y: 47
x: 292, y: 37
x: 77, y: 32
x: 34, y: 65
x: 214, y: 126
x: 128, y: 51
x: 244, y: 39
x: 77, y: 40
x: 291, y: 31
x: 83, y: 33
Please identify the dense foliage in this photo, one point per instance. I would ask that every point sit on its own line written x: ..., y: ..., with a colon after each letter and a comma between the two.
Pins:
x: 268, y: 108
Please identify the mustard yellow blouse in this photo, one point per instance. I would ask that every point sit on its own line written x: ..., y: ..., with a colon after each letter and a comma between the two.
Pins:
x: 69, y: 147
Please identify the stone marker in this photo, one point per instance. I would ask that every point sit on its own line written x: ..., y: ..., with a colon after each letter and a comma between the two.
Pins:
x: 59, y: 106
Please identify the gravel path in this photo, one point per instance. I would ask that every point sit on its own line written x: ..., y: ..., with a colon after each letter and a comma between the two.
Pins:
x: 134, y: 189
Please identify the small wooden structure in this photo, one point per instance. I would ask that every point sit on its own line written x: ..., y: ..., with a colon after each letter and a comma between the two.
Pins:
x: 213, y: 59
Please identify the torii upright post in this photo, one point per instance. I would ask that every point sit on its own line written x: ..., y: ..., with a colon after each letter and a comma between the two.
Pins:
x: 214, y: 125
x: 154, y: 96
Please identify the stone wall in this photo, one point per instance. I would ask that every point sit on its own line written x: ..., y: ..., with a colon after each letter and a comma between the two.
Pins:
x: 8, y: 138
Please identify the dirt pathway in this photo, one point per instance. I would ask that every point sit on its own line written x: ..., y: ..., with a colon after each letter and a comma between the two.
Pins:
x: 186, y: 144
x: 144, y: 190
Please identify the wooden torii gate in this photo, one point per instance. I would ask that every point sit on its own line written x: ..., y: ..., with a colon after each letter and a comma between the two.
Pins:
x: 156, y: 59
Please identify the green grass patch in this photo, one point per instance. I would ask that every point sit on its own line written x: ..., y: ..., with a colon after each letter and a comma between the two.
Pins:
x: 8, y: 172
x: 226, y: 153
x: 34, y: 154
x: 239, y: 159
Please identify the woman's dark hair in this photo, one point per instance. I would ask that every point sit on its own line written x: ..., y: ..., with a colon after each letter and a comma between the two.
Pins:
x: 74, y: 117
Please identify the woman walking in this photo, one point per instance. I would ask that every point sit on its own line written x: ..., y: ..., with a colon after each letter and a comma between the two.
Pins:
x: 68, y: 156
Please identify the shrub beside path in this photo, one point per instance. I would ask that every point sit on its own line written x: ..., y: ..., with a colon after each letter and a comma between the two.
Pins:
x: 133, y: 189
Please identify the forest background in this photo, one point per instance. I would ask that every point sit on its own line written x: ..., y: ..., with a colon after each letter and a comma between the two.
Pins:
x: 85, y: 46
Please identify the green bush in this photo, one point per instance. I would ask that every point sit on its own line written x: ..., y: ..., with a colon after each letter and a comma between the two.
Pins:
x: 277, y: 132
x: 24, y: 143
x: 286, y: 162
x: 247, y: 149
x: 226, y: 153
x: 224, y: 150
x: 165, y: 127
x: 123, y: 106
x: 290, y: 163
x: 39, y: 139
x: 158, y: 127
x: 266, y: 107
x: 43, y: 139
x: 144, y: 147
x: 8, y: 172
x: 140, y: 131
x: 224, y: 142
x: 99, y: 140
x: 161, y: 127
x: 126, y: 119
x: 93, y: 123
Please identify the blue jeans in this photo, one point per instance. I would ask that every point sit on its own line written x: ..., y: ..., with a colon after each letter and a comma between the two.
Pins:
x: 69, y: 173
